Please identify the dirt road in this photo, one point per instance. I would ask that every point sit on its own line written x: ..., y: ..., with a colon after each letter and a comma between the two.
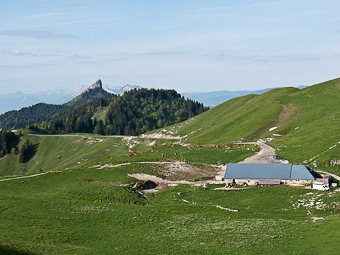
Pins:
x: 158, y: 180
x: 85, y: 135
x: 333, y: 175
x: 23, y: 177
x: 265, y: 155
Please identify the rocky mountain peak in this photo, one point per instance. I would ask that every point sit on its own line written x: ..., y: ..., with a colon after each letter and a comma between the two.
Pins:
x: 97, y: 85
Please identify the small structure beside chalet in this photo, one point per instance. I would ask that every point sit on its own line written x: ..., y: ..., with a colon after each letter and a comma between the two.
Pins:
x: 268, y: 174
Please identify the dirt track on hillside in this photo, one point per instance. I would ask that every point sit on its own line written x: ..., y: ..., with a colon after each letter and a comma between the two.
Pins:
x: 24, y: 177
x: 265, y: 155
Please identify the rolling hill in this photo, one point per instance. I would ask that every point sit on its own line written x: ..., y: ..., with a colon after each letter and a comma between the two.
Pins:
x: 304, y: 123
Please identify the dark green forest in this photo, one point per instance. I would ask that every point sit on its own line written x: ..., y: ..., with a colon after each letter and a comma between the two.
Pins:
x: 32, y: 114
x: 134, y: 113
x: 8, y: 142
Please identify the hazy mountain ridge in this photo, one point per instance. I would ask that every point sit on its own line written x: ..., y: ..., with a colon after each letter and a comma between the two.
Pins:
x: 40, y: 112
x: 215, y: 98
x: 18, y: 100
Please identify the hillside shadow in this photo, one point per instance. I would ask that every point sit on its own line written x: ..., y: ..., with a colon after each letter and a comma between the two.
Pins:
x: 29, y: 153
x: 32, y: 151
x: 12, y: 251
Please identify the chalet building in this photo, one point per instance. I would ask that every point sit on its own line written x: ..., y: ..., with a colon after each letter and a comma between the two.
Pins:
x: 268, y: 174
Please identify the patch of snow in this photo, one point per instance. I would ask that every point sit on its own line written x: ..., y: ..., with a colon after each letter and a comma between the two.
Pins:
x: 110, y: 91
x: 272, y: 128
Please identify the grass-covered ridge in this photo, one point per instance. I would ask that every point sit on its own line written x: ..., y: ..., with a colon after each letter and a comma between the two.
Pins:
x: 57, y: 153
x: 62, y: 152
x: 307, y: 119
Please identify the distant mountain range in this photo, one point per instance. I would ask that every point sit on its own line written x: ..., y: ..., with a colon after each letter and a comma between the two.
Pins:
x: 215, y: 98
x: 18, y: 100
x: 40, y: 112
x: 129, y: 110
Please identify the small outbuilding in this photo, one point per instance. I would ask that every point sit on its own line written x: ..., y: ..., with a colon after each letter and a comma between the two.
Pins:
x: 268, y: 174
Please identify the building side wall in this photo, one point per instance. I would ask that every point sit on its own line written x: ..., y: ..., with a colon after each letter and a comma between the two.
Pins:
x: 252, y: 182
x: 298, y: 182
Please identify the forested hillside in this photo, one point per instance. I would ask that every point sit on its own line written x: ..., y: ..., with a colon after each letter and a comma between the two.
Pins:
x: 46, y: 112
x: 32, y: 114
x: 136, y: 112
x: 8, y: 142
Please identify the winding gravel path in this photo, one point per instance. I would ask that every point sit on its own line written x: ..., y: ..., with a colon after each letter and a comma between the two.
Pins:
x: 23, y: 177
x: 265, y: 155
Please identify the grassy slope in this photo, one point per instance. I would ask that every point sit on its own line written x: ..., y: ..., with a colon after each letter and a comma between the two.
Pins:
x: 64, y: 214
x: 62, y: 152
x: 57, y: 153
x: 239, y: 117
x: 314, y: 110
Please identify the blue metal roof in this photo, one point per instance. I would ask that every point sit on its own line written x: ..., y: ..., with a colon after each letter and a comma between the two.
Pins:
x: 267, y: 171
x: 300, y: 172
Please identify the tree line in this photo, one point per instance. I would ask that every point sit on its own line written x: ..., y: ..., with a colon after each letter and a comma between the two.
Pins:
x: 32, y: 114
x: 10, y: 144
x: 134, y: 113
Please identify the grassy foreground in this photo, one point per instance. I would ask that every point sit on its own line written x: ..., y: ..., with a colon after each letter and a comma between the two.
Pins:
x: 65, y: 213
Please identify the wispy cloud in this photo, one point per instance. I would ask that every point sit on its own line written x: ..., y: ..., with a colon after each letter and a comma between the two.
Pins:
x: 165, y: 27
x: 23, y: 53
x: 75, y: 55
x: 222, y: 56
x: 159, y: 53
x: 40, y: 65
x: 36, y: 34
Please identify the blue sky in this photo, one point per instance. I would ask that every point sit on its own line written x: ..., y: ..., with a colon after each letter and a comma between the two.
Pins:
x: 185, y: 45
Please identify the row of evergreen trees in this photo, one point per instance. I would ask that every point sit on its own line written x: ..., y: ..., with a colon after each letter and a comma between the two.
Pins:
x: 79, y: 120
x: 9, y: 143
x: 134, y: 113
x: 32, y: 114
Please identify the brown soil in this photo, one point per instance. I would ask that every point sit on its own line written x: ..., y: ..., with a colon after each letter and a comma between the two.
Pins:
x: 284, y: 115
x: 103, y: 182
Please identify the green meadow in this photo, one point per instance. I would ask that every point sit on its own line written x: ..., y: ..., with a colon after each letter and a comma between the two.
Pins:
x: 58, y: 153
x: 66, y: 213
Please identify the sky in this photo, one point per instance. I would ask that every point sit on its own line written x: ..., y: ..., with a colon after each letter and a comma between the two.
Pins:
x: 190, y: 46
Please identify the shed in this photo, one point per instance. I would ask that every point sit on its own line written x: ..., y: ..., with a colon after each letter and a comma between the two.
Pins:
x: 269, y: 183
